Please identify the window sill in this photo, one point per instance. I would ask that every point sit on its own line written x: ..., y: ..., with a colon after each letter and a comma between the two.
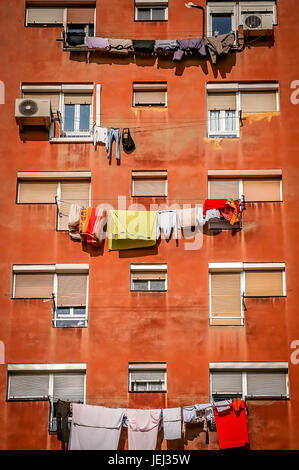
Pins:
x: 223, y: 136
x: 148, y: 391
x: 66, y: 140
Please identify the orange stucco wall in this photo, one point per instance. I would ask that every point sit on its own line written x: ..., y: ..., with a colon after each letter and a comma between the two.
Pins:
x: 172, y: 327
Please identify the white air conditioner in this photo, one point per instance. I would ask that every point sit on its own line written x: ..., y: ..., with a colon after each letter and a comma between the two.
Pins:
x: 33, y: 112
x: 255, y: 21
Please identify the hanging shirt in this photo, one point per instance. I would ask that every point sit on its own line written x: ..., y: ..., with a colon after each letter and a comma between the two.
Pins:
x: 172, y: 423
x: 189, y: 414
x: 100, y: 44
x: 143, y: 428
x: 190, y: 217
x: 231, y: 426
x: 167, y: 221
x: 95, y: 427
x: 144, y: 46
x: 218, y: 45
x: 195, y: 44
x: 100, y: 134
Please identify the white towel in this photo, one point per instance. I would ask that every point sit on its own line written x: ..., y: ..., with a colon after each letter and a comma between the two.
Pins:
x: 172, y: 423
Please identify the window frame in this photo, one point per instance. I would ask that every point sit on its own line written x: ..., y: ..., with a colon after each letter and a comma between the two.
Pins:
x: 242, y: 268
x: 163, y: 268
x: 150, y: 6
x: 244, y: 369
x: 148, y: 366
x: 64, y: 24
x: 55, y: 269
x: 150, y: 105
x: 241, y: 180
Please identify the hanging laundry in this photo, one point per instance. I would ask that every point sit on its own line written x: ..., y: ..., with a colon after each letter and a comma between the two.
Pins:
x: 192, y: 44
x: 190, y: 217
x: 84, y: 218
x: 120, y: 46
x: 74, y: 221
x: 212, y: 214
x: 93, y: 231
x: 172, y: 423
x: 99, y: 44
x: 127, y: 141
x: 143, y: 429
x: 218, y: 45
x: 99, y: 225
x: 63, y: 412
x: 131, y: 229
x: 166, y: 45
x: 144, y: 46
x: 95, y: 427
x: 113, y: 134
x: 75, y: 38
x: 166, y: 222
x: 189, y: 414
x: 100, y: 134
x: 228, y: 208
x: 231, y: 426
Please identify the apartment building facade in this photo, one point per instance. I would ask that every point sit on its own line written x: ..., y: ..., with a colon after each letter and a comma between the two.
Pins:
x: 208, y: 316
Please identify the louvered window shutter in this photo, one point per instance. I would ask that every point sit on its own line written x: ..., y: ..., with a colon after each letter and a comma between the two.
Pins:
x: 72, y: 192
x: 45, y: 16
x: 33, y: 285
x: 224, y: 189
x: 258, y: 101
x: 31, y: 192
x: 221, y: 101
x: 28, y: 386
x: 226, y: 298
x: 269, y: 384
x: 227, y: 383
x: 264, y: 283
x: 262, y: 190
x: 149, y: 93
x: 68, y: 387
x: 71, y: 290
x: 80, y: 15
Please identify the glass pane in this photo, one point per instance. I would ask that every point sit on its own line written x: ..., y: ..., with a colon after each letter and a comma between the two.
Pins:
x: 76, y: 28
x: 140, y: 285
x: 139, y: 387
x: 91, y: 30
x: 157, y: 285
x: 221, y: 24
x: 143, y: 14
x: 158, y: 14
x: 69, y: 117
x: 155, y: 386
x: 214, y: 121
x: 84, y: 117
x: 230, y: 120
x: 63, y: 311
x: 79, y: 311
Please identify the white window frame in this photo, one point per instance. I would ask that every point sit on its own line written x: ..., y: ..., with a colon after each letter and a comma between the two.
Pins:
x: 244, y: 368
x: 56, y: 269
x: 137, y: 366
x: 65, y: 24
x: 133, y: 187
x: 237, y: 10
x: 152, y: 6
x: 148, y: 267
x: 240, y: 267
x: 56, y: 177
x: 236, y: 88
x: 241, y: 183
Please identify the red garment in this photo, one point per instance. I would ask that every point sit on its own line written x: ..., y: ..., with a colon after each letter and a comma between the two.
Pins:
x: 228, y: 208
x: 232, y: 425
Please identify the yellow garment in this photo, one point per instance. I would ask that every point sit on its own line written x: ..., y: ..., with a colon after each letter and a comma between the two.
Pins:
x: 131, y: 229
x: 84, y: 219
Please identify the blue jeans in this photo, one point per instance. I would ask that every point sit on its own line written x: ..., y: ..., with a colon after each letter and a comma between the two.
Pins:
x: 113, y: 134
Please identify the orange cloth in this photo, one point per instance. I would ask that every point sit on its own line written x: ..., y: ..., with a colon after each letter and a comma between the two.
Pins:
x: 84, y: 219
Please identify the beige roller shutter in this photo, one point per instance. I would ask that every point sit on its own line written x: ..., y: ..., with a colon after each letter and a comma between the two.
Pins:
x: 221, y: 101
x: 266, y: 384
x: 226, y: 383
x: 226, y: 298
x: 72, y: 192
x: 224, y: 188
x: 258, y: 101
x: 266, y: 189
x: 53, y: 97
x: 77, y: 98
x: 68, y: 386
x: 31, y: 192
x: 80, y: 15
x: 264, y: 283
x: 33, y: 285
x: 45, y: 15
x: 71, y: 290
x: 148, y: 275
x: 149, y: 187
x: 149, y: 93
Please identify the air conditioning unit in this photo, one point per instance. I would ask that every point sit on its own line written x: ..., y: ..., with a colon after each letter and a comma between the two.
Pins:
x: 255, y: 21
x: 33, y: 112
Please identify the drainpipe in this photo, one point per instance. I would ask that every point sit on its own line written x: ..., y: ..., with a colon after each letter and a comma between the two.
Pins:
x: 192, y: 5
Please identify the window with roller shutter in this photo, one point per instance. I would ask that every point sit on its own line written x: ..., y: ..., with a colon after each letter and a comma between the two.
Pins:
x: 150, y: 94
x: 262, y: 189
x: 256, y: 380
x: 151, y: 10
x: 149, y: 183
x: 147, y: 377
x: 148, y: 277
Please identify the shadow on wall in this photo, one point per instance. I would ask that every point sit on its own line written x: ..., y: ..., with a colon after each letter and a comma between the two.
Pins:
x: 223, y: 66
x: 34, y: 133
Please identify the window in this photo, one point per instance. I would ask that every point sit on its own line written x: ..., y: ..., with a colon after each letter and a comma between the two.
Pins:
x: 45, y: 187
x: 61, y: 16
x: 226, y: 16
x: 226, y: 103
x: 149, y: 183
x: 66, y: 285
x: 147, y: 377
x: 259, y: 380
x: 230, y: 283
x: 71, y: 105
x: 154, y: 10
x: 150, y: 94
x: 39, y: 382
x: 255, y: 185
x: 148, y: 277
